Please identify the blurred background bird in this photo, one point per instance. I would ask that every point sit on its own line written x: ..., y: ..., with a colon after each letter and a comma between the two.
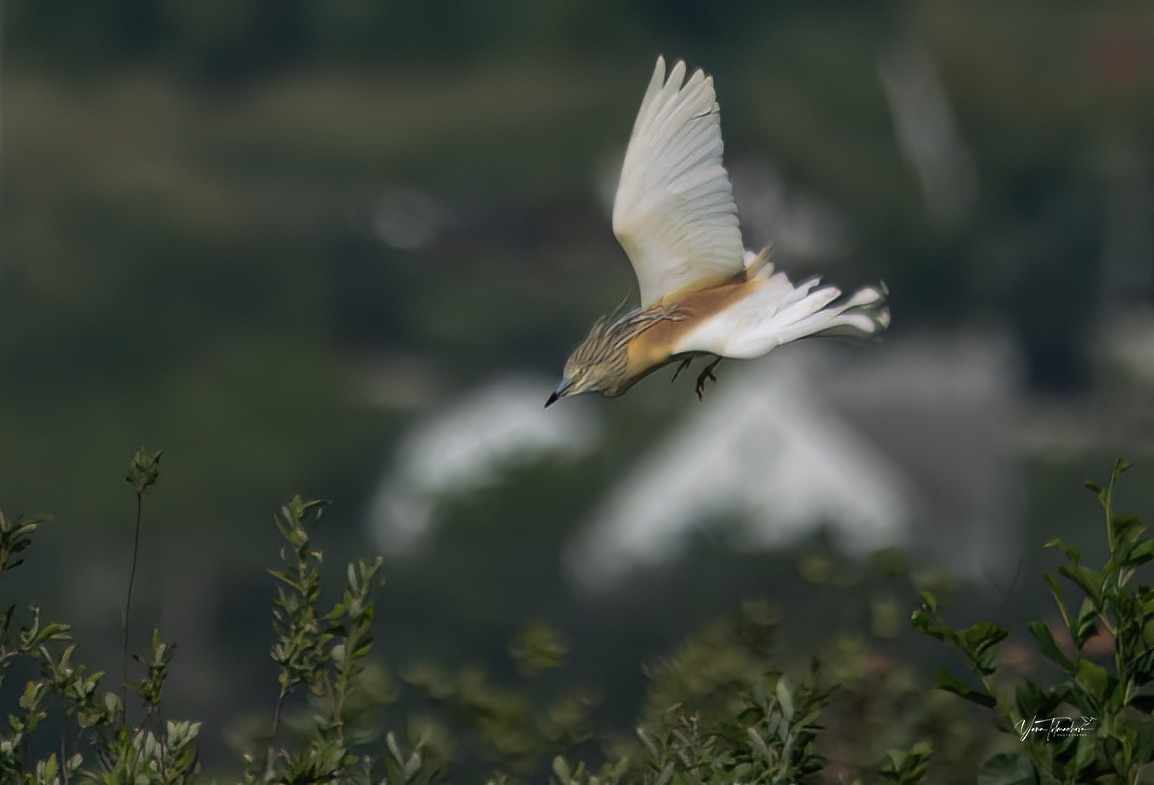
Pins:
x: 702, y: 293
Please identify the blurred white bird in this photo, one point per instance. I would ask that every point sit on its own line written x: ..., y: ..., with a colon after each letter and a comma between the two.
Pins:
x: 701, y: 292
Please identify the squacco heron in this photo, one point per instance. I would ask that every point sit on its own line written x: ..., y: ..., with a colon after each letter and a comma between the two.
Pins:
x: 702, y: 293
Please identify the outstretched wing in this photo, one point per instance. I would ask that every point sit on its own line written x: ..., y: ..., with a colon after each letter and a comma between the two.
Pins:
x: 674, y: 213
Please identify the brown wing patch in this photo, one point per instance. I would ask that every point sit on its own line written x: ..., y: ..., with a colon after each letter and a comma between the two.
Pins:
x: 654, y: 347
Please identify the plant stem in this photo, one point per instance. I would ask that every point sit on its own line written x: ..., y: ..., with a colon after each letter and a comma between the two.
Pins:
x: 270, y: 753
x: 63, y: 756
x: 1108, y: 508
x: 128, y: 606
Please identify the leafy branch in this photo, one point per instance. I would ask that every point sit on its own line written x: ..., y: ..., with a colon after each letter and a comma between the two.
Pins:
x: 1112, y: 738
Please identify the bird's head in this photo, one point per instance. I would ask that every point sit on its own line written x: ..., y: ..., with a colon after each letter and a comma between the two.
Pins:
x: 597, y: 365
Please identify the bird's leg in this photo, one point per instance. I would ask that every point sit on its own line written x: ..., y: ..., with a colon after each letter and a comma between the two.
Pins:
x: 706, y: 374
x: 684, y: 364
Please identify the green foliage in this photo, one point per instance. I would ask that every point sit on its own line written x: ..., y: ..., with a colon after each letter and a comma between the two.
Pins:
x: 143, y: 473
x: 719, y: 709
x: 98, y: 743
x: 15, y: 537
x: 903, y: 767
x: 323, y: 652
x: 143, y: 470
x: 499, y: 722
x: 719, y: 712
x: 539, y: 648
x: 770, y: 740
x: 1094, y: 723
x: 708, y: 674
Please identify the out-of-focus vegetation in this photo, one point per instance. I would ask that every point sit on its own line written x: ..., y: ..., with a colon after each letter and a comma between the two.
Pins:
x: 720, y: 708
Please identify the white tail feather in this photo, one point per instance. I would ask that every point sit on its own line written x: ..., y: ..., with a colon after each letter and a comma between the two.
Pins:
x: 779, y: 312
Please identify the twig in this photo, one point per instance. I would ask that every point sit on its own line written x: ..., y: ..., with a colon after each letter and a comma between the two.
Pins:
x: 128, y: 606
x: 270, y: 753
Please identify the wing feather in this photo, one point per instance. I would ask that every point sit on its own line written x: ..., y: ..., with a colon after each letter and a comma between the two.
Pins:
x: 777, y: 312
x: 674, y: 212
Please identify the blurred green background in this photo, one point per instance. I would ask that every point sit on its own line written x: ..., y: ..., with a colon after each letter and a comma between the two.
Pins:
x: 275, y: 237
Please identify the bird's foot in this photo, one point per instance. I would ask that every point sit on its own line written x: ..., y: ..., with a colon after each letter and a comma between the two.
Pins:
x: 684, y: 364
x: 706, y: 374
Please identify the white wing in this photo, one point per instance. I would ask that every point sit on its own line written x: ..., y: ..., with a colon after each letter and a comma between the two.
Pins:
x: 674, y: 213
x: 777, y: 312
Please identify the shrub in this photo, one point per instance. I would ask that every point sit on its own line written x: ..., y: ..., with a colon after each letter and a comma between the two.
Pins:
x: 719, y: 709
x: 1094, y: 723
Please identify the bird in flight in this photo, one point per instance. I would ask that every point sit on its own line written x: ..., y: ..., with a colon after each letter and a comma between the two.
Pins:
x: 702, y: 293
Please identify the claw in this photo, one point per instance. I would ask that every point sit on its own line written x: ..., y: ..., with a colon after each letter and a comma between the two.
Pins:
x: 706, y: 374
x: 684, y: 364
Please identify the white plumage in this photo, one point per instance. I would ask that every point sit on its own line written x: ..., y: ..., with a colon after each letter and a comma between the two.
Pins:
x: 675, y: 217
x: 674, y: 212
x: 780, y: 312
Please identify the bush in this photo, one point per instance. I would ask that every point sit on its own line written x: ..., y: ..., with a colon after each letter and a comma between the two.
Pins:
x: 719, y: 709
x: 1094, y: 723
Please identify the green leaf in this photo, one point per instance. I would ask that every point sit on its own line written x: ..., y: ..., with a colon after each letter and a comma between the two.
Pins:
x: 1072, y: 553
x: 1087, y: 580
x: 983, y: 635
x: 1045, y: 638
x: 1121, y: 466
x: 1127, y: 530
x: 1055, y: 589
x: 922, y: 622
x: 759, y: 744
x: 412, y: 767
x: 929, y: 600
x: 650, y: 747
x: 1032, y: 700
x: 951, y: 683
x: 1142, y: 553
x: 897, y: 759
x: 1086, y: 624
x: 930, y: 625
x: 393, y: 770
x: 1008, y: 769
x: 561, y: 769
x: 1144, y: 738
x: 784, y: 698
x: 922, y: 749
x: 393, y: 747
x: 1094, y: 679
x: 1086, y: 751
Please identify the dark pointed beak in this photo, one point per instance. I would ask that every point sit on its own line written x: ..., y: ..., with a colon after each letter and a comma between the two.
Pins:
x: 558, y: 393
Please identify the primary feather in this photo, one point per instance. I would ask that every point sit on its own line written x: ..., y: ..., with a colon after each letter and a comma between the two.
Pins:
x: 674, y: 212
